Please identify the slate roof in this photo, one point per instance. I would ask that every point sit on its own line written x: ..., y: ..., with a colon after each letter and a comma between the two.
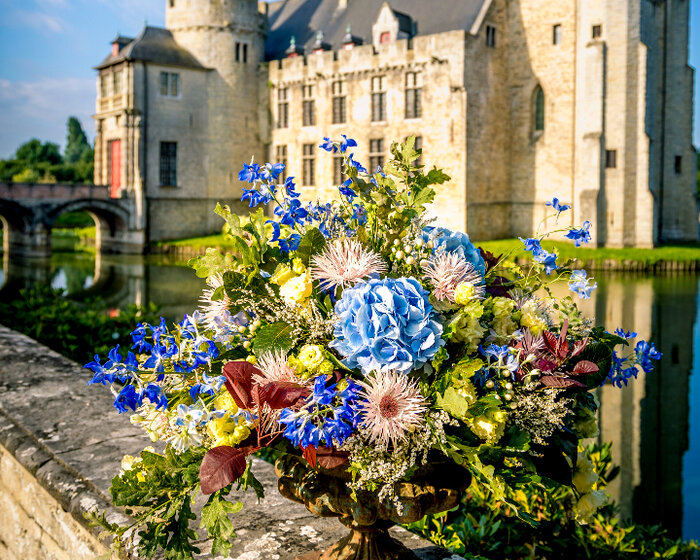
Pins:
x: 303, y: 18
x: 156, y: 45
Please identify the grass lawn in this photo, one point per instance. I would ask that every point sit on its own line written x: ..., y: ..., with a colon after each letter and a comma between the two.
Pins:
x: 679, y: 253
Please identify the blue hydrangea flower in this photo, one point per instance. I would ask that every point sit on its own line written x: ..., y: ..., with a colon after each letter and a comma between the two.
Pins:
x: 386, y: 325
x: 455, y: 242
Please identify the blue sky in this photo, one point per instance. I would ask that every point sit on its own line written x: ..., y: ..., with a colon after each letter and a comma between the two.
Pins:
x: 48, y: 49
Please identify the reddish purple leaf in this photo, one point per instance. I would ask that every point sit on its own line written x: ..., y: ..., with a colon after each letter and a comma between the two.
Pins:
x: 585, y: 367
x: 330, y: 457
x: 579, y: 346
x: 281, y: 394
x: 546, y: 365
x: 562, y: 349
x: 309, y: 453
x: 221, y: 466
x: 239, y: 382
x: 550, y: 341
x: 559, y: 382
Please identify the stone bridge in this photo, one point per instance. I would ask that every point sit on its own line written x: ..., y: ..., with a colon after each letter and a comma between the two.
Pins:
x: 28, y: 212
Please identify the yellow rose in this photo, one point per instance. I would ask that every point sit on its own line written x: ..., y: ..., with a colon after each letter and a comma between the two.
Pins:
x: 296, y: 290
x: 223, y: 430
x: 589, y: 504
x: 283, y: 273
x: 298, y: 266
x: 584, y: 477
x: 311, y: 356
x: 533, y: 318
x: 489, y: 426
x: 225, y: 401
x: 464, y: 293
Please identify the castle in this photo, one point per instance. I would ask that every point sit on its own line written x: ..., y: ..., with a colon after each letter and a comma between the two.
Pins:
x: 518, y: 100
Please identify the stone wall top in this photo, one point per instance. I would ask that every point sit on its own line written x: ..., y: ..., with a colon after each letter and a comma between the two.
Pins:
x: 70, y: 438
x: 50, y: 191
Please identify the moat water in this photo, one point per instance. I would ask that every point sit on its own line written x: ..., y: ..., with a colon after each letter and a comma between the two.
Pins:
x: 654, y: 423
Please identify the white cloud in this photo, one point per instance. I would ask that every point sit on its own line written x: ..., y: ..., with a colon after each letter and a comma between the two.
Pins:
x: 41, y: 108
x: 38, y: 20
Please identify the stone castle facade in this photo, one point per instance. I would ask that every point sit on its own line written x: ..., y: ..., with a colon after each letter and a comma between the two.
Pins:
x: 518, y: 100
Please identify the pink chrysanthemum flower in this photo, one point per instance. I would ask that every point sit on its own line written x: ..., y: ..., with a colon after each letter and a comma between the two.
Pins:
x: 446, y: 271
x: 343, y: 263
x: 392, y: 406
x: 274, y: 367
x: 214, y: 309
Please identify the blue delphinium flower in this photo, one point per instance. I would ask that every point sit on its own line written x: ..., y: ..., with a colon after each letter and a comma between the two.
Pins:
x: 128, y: 398
x: 328, y: 145
x: 580, y: 284
x: 289, y: 188
x: 455, y: 242
x: 386, y: 325
x: 581, y: 235
x: 355, y: 164
x: 646, y: 352
x: 154, y: 393
x: 558, y: 206
x: 541, y: 255
x: 346, y: 143
x: 294, y: 213
x: 250, y: 173
x: 328, y: 416
x: 271, y: 171
x: 626, y: 335
x: 347, y: 191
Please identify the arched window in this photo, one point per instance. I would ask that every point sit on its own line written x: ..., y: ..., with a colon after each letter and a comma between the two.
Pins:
x: 539, y: 109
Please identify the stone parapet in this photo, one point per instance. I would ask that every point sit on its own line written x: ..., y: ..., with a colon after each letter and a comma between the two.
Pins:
x: 61, y: 443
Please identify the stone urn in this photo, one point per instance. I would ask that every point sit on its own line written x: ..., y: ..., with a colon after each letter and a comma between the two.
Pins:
x: 436, y: 487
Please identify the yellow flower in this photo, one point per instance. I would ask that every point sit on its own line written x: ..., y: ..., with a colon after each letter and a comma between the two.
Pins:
x: 298, y: 266
x: 465, y: 389
x: 588, y: 504
x: 296, y: 290
x: 283, y: 273
x: 489, y: 426
x: 584, y: 477
x: 533, y: 318
x: 503, y: 307
x: 227, y: 430
x: 311, y: 356
x: 128, y: 462
x: 225, y: 401
x: 464, y: 293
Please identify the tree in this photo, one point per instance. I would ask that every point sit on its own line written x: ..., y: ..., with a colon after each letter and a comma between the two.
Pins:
x: 76, y: 142
x: 34, y: 152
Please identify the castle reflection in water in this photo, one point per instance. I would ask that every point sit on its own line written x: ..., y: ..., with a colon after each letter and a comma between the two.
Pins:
x: 654, y: 423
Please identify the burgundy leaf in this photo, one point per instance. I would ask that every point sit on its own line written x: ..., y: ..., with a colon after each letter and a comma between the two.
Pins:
x: 562, y: 349
x: 585, y: 367
x: 560, y: 382
x: 221, y: 466
x: 550, y: 341
x: 281, y: 394
x: 239, y: 382
x: 490, y: 259
x: 546, y: 365
x: 579, y: 346
x: 330, y: 457
x: 309, y: 453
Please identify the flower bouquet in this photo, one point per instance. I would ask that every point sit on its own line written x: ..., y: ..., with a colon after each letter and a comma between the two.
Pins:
x: 363, y: 346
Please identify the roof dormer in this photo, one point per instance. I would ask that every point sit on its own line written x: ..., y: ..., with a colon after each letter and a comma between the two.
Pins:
x: 391, y: 25
x: 350, y: 40
x: 293, y: 50
x: 320, y: 45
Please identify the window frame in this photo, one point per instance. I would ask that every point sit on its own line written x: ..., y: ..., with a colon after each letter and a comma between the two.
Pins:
x: 610, y: 159
x: 556, y: 34
x: 168, y: 81
x: 281, y: 151
x: 377, y: 154
x: 167, y: 167
x: 378, y: 111
x: 491, y: 36
x: 539, y: 111
x: 283, y: 107
x: 413, y: 102
x: 308, y: 159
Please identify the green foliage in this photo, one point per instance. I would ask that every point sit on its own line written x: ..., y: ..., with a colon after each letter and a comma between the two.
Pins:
x: 74, y: 220
x: 482, y: 528
x: 41, y: 162
x: 76, y: 330
x: 313, y: 242
x: 273, y: 338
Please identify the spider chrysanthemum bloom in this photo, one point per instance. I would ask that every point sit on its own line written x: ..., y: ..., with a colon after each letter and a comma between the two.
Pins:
x: 446, y: 271
x: 274, y: 366
x: 214, y: 309
x: 345, y: 262
x: 391, y: 406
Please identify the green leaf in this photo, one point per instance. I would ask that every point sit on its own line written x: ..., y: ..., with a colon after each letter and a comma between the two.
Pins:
x: 217, y: 523
x: 600, y: 354
x: 212, y: 262
x: 273, y: 338
x: 248, y: 480
x: 453, y: 403
x: 313, y: 242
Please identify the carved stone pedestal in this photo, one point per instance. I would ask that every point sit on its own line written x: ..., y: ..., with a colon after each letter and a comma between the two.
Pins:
x: 435, y: 488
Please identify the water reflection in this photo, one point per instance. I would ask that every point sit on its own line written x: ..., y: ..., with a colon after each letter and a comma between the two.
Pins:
x: 649, y: 422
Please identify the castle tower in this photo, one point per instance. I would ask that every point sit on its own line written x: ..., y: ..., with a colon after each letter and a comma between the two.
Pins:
x: 227, y: 37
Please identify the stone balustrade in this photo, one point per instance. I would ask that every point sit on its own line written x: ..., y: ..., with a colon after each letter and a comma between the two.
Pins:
x: 61, y: 442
